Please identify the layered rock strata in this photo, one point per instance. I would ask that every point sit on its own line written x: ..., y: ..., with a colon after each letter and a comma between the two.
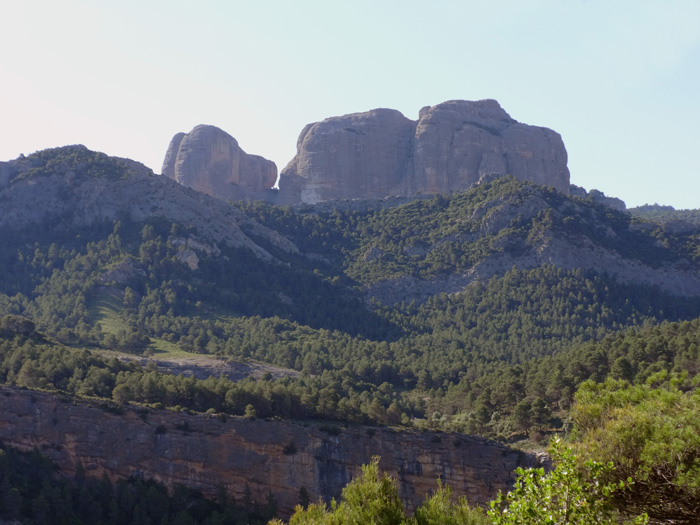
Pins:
x: 210, y: 160
x: 206, y: 453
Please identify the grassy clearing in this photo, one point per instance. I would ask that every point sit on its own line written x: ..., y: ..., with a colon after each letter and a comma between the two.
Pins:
x: 163, y: 348
x: 104, y: 310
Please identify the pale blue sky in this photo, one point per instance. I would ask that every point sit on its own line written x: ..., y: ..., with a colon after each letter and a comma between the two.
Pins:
x: 618, y: 79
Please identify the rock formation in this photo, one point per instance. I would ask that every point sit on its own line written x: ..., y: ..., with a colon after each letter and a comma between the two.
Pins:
x: 210, y: 160
x: 356, y: 156
x: 73, y: 186
x: 206, y: 453
x: 597, y: 196
x: 450, y: 148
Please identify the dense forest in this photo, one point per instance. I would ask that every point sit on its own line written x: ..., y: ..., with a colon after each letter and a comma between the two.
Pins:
x: 665, y: 214
x: 365, y: 311
x: 480, y: 361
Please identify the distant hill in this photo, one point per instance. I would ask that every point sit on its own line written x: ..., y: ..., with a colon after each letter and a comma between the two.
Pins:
x: 64, y: 189
x: 439, y: 245
x: 667, y: 214
x: 100, y: 222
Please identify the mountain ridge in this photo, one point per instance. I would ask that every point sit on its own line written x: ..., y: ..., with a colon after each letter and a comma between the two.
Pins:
x: 376, y: 154
x: 495, y: 226
x: 75, y: 186
x: 437, y: 312
x: 509, y: 222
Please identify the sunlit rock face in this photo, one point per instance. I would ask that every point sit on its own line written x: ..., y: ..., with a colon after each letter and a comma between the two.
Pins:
x: 364, y: 155
x: 210, y: 160
x: 450, y: 147
x: 459, y: 142
x: 240, y: 455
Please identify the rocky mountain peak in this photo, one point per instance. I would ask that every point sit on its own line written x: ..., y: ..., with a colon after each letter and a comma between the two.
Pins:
x: 210, y: 160
x: 353, y: 156
x: 450, y: 147
x: 376, y: 154
x: 485, y: 111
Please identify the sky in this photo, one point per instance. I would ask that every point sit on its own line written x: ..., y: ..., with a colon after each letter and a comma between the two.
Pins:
x: 618, y: 79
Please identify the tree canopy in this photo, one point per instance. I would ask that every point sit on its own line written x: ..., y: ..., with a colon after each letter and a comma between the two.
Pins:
x: 651, y: 433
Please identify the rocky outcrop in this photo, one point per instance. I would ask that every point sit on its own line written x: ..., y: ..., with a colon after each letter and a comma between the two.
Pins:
x: 206, y: 453
x: 449, y: 148
x: 598, y: 197
x: 351, y: 157
x: 73, y: 186
x: 210, y: 160
x: 570, y: 249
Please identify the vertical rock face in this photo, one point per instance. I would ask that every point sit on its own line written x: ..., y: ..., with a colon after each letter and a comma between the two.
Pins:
x: 206, y: 453
x: 355, y: 156
x: 376, y: 154
x: 450, y: 148
x: 210, y: 160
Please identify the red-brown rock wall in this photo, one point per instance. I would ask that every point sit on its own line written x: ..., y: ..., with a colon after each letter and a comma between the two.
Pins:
x: 205, y: 452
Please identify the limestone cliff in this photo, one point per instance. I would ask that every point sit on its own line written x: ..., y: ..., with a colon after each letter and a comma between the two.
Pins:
x: 210, y: 160
x: 267, y: 456
x: 449, y: 148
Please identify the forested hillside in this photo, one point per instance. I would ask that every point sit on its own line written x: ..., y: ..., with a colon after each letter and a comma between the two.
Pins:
x: 480, y: 311
x: 665, y: 214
